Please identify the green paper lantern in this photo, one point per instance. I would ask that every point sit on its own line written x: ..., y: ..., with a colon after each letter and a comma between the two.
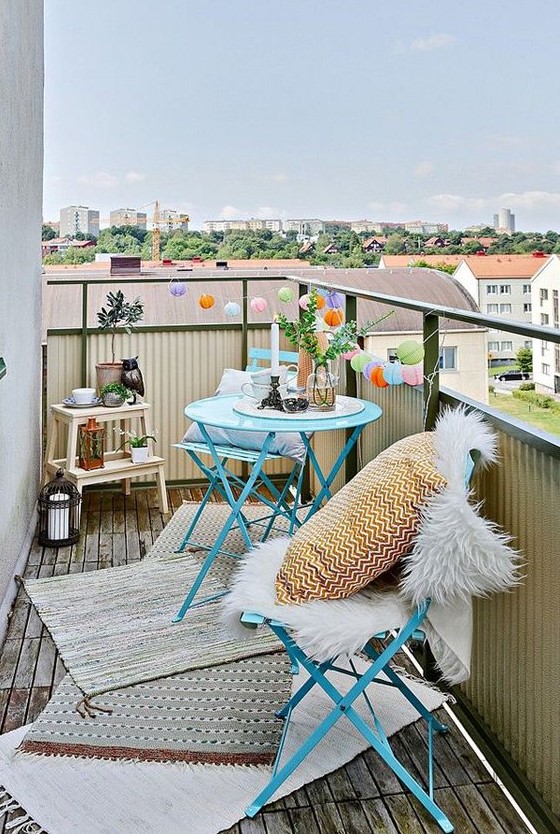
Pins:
x: 410, y: 353
x: 285, y: 294
x: 359, y: 361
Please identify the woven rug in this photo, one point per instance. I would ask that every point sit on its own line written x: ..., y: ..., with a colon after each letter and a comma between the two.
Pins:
x: 221, y: 714
x: 113, y: 627
x: 67, y: 795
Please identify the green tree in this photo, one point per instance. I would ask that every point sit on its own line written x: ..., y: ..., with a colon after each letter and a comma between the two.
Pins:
x: 524, y: 360
x: 47, y: 232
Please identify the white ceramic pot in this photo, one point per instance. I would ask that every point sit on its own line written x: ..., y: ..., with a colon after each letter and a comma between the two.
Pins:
x: 139, y: 454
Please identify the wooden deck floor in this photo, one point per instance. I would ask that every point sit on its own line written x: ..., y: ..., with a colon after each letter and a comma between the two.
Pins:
x: 363, y: 797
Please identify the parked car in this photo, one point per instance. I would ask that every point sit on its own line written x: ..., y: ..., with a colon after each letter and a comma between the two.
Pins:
x: 512, y: 376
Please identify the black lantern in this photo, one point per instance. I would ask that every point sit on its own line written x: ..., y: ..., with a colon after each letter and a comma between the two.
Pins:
x: 59, y: 512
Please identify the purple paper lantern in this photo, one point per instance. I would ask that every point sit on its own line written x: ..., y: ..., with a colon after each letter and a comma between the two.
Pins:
x: 335, y: 300
x: 177, y: 288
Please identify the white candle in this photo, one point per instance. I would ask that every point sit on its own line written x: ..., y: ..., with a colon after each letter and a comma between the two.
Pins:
x: 275, y: 348
x: 59, y: 519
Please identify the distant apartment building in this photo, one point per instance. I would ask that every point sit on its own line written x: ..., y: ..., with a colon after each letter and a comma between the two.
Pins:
x: 421, y: 227
x: 74, y: 219
x: 128, y: 217
x: 504, y: 221
x: 173, y: 221
x: 305, y: 229
x: 367, y: 226
x: 252, y: 225
x: 546, y: 311
x: 501, y: 285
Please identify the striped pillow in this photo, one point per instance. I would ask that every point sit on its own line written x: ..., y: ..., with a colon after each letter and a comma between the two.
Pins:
x: 365, y: 528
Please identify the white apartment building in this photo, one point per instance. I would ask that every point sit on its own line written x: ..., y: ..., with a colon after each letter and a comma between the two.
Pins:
x: 367, y: 226
x: 173, y: 220
x: 546, y: 311
x: 305, y: 228
x: 421, y: 227
x: 74, y: 219
x: 128, y: 217
x: 253, y: 225
x: 504, y: 221
x: 501, y: 285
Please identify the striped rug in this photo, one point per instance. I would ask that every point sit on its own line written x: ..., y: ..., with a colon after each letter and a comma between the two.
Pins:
x: 113, y: 627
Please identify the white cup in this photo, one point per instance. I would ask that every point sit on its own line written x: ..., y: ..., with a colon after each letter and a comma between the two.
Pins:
x: 286, y: 374
x: 83, y: 396
x: 260, y: 390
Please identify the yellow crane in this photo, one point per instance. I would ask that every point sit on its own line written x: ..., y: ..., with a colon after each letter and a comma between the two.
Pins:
x: 158, y: 222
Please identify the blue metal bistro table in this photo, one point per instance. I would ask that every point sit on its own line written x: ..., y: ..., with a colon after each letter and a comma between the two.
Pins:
x: 237, y: 414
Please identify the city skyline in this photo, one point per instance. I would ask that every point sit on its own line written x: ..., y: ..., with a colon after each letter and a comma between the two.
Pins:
x: 317, y: 110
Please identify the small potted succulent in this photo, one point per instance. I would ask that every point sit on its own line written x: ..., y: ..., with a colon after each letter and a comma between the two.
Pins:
x: 138, y: 444
x: 118, y: 312
x: 114, y: 394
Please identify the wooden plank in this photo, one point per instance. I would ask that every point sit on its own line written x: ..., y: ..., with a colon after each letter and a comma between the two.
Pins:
x: 252, y: 826
x: 328, y: 818
x: 46, y: 662
x: 38, y: 700
x: 404, y: 816
x: 362, y: 781
x: 303, y: 821
x: 510, y: 821
x: 478, y: 810
x: 119, y: 549
x: 318, y: 792
x: 8, y: 662
x: 16, y: 710
x: 27, y: 660
x: 341, y: 786
x: 353, y: 818
x: 277, y: 822
x: 378, y: 816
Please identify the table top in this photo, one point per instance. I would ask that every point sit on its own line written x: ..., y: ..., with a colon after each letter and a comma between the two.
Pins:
x: 117, y: 412
x: 219, y: 412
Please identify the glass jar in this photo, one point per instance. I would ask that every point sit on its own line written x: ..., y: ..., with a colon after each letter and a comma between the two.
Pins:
x: 321, y: 387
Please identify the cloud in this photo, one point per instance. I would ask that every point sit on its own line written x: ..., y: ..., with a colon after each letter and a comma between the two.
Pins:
x: 388, y: 210
x: 457, y: 202
x: 530, y: 200
x: 423, y: 169
x: 230, y: 213
x: 134, y: 176
x: 435, y: 41
x: 99, y: 180
x: 280, y: 177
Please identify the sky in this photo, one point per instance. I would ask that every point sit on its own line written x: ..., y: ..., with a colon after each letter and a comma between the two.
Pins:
x: 339, y: 109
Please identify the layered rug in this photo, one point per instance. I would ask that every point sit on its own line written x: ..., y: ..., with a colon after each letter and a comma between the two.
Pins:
x: 113, y: 627
x: 222, y: 714
x: 65, y: 795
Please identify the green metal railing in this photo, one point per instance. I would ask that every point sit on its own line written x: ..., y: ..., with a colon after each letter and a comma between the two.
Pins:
x: 3, y: 368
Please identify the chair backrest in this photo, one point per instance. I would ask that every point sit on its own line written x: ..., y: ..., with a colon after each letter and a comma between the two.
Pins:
x: 257, y: 355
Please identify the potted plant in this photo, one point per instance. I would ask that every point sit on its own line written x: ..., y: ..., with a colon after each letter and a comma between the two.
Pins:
x: 138, y: 444
x: 118, y: 312
x: 114, y: 394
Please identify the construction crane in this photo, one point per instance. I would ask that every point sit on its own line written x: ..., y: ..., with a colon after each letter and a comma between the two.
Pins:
x: 158, y: 222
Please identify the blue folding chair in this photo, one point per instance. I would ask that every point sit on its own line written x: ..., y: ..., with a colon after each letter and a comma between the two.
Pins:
x: 378, y: 672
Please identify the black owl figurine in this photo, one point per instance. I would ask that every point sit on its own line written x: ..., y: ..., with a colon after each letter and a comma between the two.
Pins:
x: 131, y: 376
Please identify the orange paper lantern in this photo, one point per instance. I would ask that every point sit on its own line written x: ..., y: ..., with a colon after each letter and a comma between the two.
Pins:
x: 377, y: 378
x: 333, y: 317
x: 206, y: 301
x: 320, y: 301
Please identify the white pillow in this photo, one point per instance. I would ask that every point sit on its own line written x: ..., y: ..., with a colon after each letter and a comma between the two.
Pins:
x: 288, y: 444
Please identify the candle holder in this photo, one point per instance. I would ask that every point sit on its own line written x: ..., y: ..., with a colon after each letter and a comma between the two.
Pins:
x: 274, y: 400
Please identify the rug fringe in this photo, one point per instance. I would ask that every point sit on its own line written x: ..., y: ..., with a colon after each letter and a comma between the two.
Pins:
x: 87, y: 709
x: 22, y: 824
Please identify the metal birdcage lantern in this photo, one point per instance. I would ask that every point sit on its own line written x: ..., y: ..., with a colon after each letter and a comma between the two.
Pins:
x: 91, y: 445
x: 59, y: 512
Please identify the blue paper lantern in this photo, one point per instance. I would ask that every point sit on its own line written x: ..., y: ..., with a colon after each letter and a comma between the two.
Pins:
x: 392, y: 373
x: 232, y: 309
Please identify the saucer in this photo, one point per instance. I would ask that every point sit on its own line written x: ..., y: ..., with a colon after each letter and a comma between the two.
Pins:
x: 69, y: 402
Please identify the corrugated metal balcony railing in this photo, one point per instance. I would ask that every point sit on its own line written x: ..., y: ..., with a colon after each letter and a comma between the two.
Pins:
x: 512, y: 702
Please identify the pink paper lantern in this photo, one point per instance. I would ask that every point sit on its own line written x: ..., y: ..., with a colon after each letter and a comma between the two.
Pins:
x: 258, y: 304
x: 350, y: 353
x: 413, y: 374
x: 304, y: 302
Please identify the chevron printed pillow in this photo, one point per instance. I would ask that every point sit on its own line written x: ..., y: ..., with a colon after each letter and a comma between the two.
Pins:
x: 365, y: 528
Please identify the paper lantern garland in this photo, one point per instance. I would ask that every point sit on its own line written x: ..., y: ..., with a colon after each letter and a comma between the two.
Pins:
x: 383, y: 374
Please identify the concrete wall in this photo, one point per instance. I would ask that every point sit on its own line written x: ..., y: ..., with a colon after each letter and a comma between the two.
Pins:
x: 21, y: 174
x: 546, y: 359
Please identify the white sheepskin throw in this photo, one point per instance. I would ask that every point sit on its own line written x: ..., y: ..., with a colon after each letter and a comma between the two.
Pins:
x: 457, y: 555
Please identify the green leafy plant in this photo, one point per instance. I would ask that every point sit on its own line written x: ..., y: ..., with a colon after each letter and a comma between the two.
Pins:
x: 303, y: 333
x: 119, y: 313
x: 115, y: 388
x: 133, y: 439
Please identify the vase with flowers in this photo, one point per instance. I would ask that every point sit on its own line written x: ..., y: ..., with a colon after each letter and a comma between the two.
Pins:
x: 323, y: 349
x: 137, y: 443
